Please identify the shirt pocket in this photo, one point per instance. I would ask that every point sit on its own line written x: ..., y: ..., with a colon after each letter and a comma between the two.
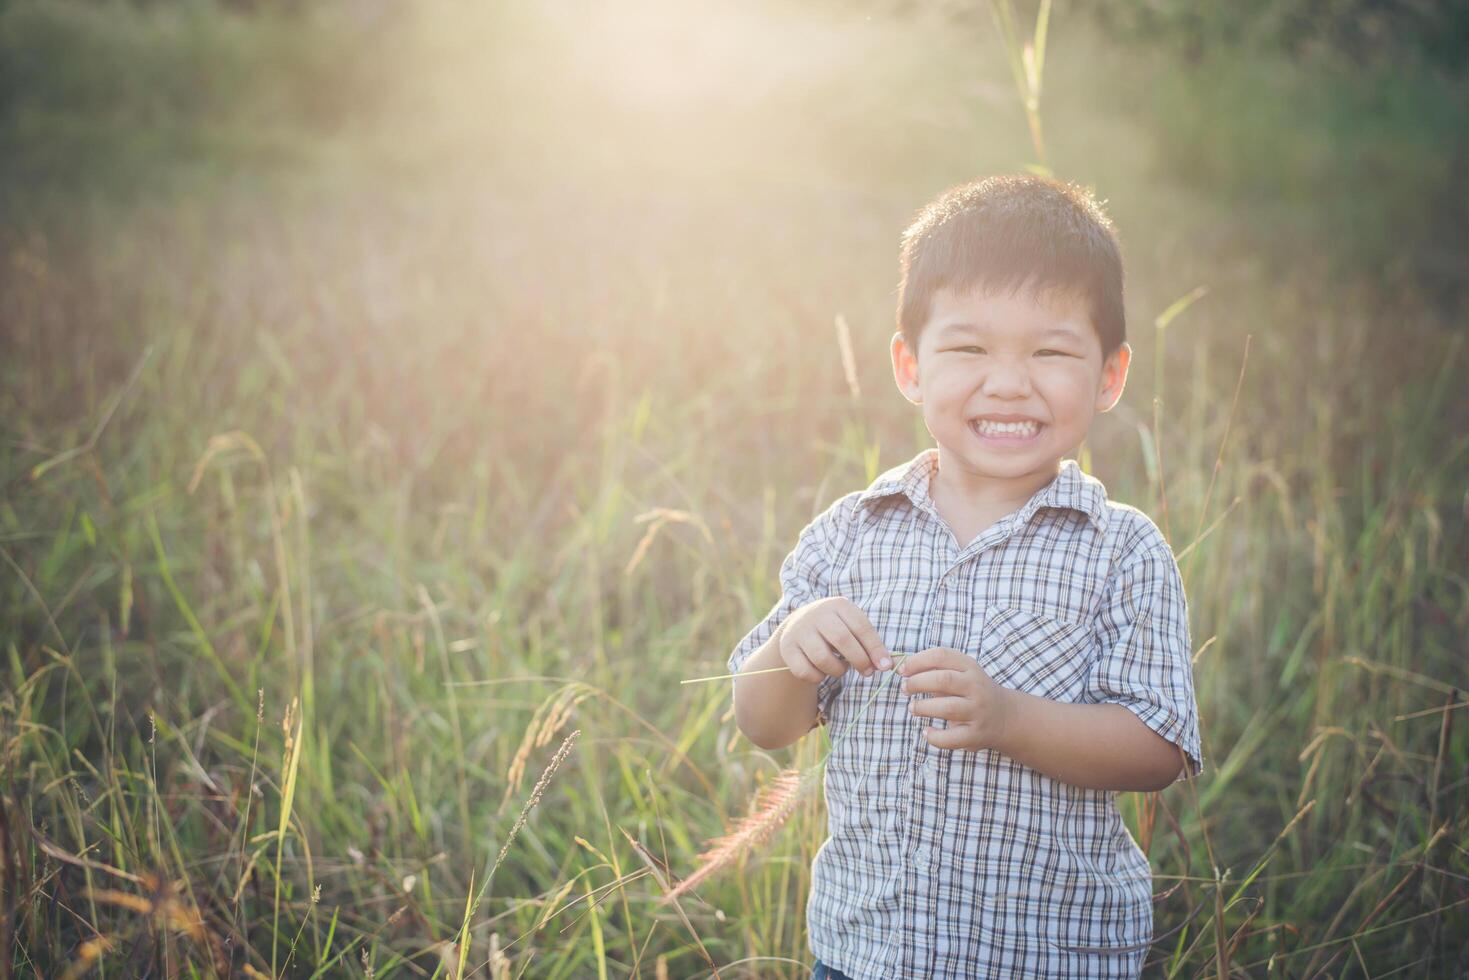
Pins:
x: 1033, y: 652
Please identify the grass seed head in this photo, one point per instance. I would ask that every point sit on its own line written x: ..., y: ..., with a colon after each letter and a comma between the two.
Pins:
x: 774, y: 804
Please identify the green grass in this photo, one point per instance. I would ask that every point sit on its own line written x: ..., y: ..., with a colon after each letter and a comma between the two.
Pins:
x: 377, y: 429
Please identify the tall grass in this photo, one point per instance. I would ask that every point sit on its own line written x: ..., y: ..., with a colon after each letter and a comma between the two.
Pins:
x: 403, y: 457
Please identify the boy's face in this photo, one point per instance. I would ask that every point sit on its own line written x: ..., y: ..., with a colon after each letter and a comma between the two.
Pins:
x: 988, y: 357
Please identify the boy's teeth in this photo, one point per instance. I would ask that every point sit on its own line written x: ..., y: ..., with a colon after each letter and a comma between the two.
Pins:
x: 1007, y: 428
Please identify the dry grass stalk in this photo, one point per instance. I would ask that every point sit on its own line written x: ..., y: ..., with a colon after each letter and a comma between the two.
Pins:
x: 499, y: 963
x: 773, y: 805
x: 164, y: 902
x: 87, y: 955
x: 659, y: 516
x: 560, y: 714
x: 535, y: 797
x: 548, y: 720
x: 663, y: 876
x: 517, y: 763
x: 849, y: 358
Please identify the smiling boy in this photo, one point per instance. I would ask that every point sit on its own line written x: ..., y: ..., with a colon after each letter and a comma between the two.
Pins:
x: 971, y: 800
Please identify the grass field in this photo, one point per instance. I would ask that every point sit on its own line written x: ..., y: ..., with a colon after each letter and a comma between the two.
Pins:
x: 396, y: 408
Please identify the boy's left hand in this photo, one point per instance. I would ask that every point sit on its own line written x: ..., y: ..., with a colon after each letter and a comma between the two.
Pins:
x: 975, y: 707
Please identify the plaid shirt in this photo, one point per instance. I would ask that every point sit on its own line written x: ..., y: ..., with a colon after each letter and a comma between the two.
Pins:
x: 959, y: 864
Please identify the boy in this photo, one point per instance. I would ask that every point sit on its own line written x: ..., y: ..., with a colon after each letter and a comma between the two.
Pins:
x: 971, y: 798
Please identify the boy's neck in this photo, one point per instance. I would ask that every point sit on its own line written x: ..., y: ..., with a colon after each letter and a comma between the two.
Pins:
x: 967, y: 496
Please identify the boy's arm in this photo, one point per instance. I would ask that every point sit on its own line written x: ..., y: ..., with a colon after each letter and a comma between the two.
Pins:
x: 773, y: 710
x: 1136, y: 720
x: 1096, y: 746
x: 816, y: 645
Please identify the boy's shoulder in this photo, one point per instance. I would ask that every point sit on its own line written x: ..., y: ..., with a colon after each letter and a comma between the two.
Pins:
x: 1124, y: 531
x: 1128, y: 534
x: 1134, y: 534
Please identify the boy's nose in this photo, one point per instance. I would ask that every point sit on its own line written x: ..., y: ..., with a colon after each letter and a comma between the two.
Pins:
x: 1004, y: 378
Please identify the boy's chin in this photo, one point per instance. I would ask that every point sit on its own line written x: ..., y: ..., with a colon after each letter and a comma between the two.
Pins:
x: 1003, y: 464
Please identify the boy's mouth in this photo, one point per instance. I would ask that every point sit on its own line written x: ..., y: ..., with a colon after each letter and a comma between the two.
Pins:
x: 1006, y: 432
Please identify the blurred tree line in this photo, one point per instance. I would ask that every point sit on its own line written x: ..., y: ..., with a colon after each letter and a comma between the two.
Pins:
x: 1364, y: 32
x: 1336, y: 123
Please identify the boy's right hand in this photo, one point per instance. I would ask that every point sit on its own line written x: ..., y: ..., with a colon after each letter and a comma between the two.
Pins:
x: 824, y: 638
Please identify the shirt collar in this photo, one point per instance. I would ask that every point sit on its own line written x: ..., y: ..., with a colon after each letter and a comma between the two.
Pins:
x: 1071, y: 489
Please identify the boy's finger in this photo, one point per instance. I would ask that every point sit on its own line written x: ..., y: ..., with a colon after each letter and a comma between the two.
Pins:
x: 822, y: 656
x: 861, y: 627
x: 950, y: 708
x: 843, y: 642
x: 929, y: 659
x: 811, y: 672
x: 945, y: 738
x: 939, y: 680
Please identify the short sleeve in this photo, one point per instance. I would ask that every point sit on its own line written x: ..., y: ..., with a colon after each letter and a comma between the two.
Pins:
x: 805, y: 576
x: 1145, y: 664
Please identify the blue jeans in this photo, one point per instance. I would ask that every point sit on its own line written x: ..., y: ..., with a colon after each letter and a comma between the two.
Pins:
x: 824, y: 972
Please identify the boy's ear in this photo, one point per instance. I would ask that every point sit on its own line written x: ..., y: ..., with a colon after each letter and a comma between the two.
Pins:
x: 1114, y: 377
x: 905, y: 369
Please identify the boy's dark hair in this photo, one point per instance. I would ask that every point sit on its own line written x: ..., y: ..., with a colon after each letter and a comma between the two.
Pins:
x: 1010, y: 232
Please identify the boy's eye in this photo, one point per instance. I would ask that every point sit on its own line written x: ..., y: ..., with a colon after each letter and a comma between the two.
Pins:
x: 1058, y: 353
x: 969, y: 349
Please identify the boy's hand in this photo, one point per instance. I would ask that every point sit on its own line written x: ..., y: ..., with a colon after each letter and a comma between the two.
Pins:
x: 975, y: 706
x: 824, y: 638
